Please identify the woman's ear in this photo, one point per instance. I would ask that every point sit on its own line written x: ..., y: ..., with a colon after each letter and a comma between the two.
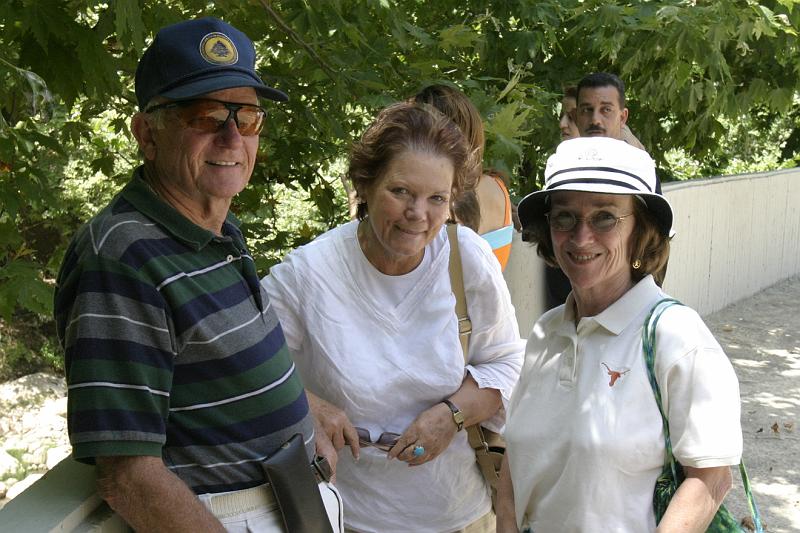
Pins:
x: 143, y: 132
x: 360, y: 190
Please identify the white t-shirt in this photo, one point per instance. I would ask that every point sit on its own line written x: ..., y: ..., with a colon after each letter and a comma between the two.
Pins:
x: 385, y: 361
x: 584, y: 435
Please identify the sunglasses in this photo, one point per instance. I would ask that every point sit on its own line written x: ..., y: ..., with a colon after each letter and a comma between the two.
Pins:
x: 385, y: 442
x: 210, y: 116
x: 601, y: 222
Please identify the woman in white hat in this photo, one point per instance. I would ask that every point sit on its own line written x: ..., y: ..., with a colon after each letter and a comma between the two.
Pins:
x: 584, y: 433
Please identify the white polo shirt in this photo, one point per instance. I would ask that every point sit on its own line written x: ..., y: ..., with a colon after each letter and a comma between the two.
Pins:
x: 585, y: 440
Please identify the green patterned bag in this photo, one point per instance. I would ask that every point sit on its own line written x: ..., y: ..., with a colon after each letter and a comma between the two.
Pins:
x: 672, y: 474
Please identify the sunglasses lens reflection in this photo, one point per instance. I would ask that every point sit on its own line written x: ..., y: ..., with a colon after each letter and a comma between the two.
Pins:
x: 209, y: 116
x: 250, y: 120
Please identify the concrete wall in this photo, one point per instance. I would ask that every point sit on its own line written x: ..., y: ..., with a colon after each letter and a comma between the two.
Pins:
x: 735, y: 236
x: 63, y: 500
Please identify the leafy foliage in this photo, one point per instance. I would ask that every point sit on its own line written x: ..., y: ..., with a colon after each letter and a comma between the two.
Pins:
x: 713, y: 86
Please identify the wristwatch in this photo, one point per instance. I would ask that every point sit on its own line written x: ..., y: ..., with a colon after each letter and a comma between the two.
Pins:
x: 458, y: 416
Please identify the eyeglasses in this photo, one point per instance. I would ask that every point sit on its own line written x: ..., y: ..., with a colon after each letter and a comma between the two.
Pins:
x: 601, y: 222
x: 210, y: 116
x: 385, y: 442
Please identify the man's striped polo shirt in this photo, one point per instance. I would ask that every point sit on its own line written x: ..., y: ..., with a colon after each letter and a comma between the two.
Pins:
x: 172, y: 348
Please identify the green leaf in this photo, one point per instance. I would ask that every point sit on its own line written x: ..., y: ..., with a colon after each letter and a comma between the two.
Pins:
x: 104, y: 164
x: 400, y: 34
x: 128, y: 23
x: 457, y: 36
x: 21, y: 285
x: 44, y: 20
x: 99, y: 71
x: 47, y: 141
x: 422, y: 36
x: 507, y: 126
x: 511, y: 84
x: 781, y: 99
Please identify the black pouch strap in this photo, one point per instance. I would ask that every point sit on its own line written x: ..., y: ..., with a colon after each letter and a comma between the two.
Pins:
x: 321, y: 468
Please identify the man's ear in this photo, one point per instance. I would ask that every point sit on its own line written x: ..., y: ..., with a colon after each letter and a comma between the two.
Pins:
x: 624, y: 116
x: 143, y: 132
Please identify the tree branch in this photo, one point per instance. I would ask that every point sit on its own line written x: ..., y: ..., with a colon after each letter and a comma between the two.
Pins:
x: 296, y: 38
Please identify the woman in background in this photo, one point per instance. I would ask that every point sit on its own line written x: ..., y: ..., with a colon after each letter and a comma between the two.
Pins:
x: 486, y: 209
x: 566, y: 120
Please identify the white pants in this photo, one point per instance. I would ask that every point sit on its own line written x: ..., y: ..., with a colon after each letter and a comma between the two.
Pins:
x: 255, y: 510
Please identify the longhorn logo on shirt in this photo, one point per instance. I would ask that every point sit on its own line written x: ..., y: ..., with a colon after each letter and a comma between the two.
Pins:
x: 615, y: 374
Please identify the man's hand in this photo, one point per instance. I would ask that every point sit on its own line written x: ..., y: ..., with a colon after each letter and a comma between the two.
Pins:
x: 334, y: 424
x: 151, y: 498
x: 325, y: 448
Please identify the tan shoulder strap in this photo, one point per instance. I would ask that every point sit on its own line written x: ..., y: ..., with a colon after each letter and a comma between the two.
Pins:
x: 484, y: 442
x: 457, y: 285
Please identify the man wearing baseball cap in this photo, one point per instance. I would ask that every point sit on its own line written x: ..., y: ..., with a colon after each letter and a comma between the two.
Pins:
x: 181, y: 387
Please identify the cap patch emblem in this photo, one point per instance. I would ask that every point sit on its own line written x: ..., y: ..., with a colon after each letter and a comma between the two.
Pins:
x: 218, y: 49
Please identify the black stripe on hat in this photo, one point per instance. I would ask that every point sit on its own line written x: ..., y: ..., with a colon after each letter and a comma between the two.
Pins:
x: 599, y: 180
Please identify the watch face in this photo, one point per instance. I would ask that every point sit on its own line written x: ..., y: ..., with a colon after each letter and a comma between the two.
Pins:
x: 458, y: 416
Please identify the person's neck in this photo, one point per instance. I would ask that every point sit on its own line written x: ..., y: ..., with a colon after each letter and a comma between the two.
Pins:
x: 208, y: 214
x: 379, y: 257
x: 595, y: 300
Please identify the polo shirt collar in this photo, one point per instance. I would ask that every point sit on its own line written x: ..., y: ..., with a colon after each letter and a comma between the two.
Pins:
x: 145, y: 200
x: 564, y: 323
x: 621, y: 313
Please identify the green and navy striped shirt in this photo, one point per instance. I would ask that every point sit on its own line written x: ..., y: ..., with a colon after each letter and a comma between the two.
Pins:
x: 172, y: 348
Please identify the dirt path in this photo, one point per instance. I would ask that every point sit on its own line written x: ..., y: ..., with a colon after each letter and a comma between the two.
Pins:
x: 761, y: 335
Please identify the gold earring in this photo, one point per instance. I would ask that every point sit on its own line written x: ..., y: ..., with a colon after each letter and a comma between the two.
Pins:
x: 637, y: 264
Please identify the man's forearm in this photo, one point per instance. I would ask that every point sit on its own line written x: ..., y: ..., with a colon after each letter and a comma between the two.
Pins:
x: 151, y: 498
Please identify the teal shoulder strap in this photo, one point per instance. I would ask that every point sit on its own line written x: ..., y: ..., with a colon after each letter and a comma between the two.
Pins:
x: 649, y: 348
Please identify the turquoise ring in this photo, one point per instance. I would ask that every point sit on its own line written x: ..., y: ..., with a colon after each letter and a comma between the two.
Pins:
x: 418, y: 451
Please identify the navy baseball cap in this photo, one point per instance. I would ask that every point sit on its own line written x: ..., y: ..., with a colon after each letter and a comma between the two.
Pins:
x: 199, y: 56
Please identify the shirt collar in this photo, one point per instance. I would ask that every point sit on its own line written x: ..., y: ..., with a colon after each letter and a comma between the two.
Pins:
x: 145, y: 200
x: 564, y: 322
x: 621, y: 313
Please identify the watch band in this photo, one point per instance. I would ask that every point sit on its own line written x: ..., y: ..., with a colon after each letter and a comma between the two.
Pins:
x: 458, y: 416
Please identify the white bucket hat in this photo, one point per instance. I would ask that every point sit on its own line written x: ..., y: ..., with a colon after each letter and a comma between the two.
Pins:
x: 602, y: 165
